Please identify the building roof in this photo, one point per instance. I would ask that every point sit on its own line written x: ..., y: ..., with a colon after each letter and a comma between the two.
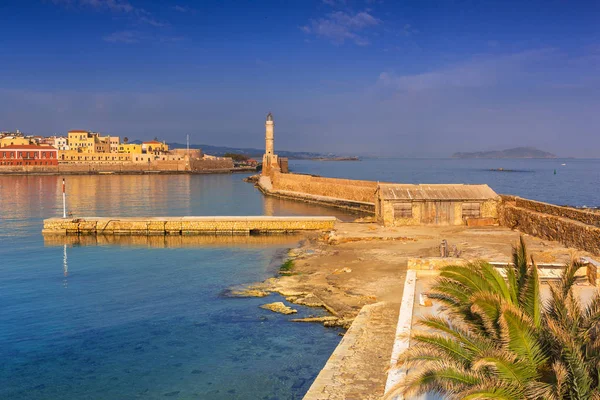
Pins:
x: 78, y: 131
x: 153, y: 142
x: 269, y: 117
x: 27, y: 147
x: 435, y: 192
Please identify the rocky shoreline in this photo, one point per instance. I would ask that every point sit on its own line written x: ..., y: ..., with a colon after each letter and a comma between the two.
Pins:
x: 295, y: 283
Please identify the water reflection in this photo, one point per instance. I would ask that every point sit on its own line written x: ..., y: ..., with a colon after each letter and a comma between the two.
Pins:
x: 176, y: 241
x: 65, y: 267
x: 26, y: 199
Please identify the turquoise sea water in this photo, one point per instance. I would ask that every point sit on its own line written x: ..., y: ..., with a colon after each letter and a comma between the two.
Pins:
x: 129, y: 320
x: 142, y: 322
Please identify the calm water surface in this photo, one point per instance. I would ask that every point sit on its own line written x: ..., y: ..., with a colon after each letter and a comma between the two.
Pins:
x: 131, y: 319
x: 577, y: 183
x: 123, y: 321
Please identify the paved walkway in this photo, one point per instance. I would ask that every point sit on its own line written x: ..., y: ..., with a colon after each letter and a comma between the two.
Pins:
x: 357, y: 370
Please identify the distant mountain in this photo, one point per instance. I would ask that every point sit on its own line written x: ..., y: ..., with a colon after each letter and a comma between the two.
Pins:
x: 517, y: 152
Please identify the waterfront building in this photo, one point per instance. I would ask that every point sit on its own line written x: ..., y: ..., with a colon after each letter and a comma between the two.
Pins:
x: 114, y: 142
x: 154, y: 147
x: 61, y: 143
x: 130, y: 148
x: 14, y: 140
x: 92, y: 142
x: 82, y: 141
x: 74, y: 156
x: 28, y: 154
x: 406, y: 204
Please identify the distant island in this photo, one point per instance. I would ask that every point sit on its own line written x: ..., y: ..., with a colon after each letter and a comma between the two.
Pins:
x: 517, y: 152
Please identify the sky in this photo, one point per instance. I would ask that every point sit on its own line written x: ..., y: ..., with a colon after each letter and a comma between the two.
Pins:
x: 407, y: 78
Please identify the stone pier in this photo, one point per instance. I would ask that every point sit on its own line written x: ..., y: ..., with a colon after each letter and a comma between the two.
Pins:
x: 186, y: 225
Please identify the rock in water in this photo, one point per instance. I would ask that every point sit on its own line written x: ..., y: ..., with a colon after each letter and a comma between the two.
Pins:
x: 279, y: 307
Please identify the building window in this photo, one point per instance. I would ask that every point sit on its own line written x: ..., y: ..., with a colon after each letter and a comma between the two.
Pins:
x: 403, y: 210
x: 471, y: 210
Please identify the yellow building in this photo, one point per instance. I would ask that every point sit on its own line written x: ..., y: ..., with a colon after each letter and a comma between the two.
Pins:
x: 89, y: 142
x: 85, y: 157
x: 16, y: 140
x: 130, y: 148
x: 155, y: 147
x: 82, y: 141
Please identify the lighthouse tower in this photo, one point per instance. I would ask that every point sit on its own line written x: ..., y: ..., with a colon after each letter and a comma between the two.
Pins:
x: 270, y: 161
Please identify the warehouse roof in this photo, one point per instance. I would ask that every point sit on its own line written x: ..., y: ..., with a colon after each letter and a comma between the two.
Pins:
x: 435, y: 192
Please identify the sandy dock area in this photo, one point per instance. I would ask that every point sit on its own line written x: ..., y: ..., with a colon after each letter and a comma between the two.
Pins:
x: 364, y: 264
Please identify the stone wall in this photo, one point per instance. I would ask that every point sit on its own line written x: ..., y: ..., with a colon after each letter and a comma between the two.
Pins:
x: 586, y: 217
x: 168, y: 166
x: 211, y: 164
x: 570, y: 232
x: 344, y: 189
x: 186, y: 225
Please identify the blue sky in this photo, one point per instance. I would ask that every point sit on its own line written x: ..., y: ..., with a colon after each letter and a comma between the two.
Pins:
x: 393, y: 78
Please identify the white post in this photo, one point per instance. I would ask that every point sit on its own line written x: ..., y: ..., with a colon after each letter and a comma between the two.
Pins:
x: 64, y: 201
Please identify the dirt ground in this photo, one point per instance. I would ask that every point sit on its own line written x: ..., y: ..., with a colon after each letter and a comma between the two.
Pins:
x: 363, y: 263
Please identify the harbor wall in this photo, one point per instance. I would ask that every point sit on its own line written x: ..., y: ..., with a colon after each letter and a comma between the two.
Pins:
x: 346, y: 189
x: 168, y: 166
x: 340, y: 193
x: 186, y: 225
x: 569, y: 226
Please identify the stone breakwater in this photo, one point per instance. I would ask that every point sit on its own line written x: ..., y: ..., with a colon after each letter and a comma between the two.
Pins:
x: 186, y: 225
x: 340, y: 193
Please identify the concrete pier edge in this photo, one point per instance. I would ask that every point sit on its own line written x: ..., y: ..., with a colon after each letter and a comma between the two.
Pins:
x: 402, y: 339
x: 220, y: 225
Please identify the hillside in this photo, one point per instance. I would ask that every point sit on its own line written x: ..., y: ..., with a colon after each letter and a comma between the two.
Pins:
x: 517, y: 152
x: 250, y: 152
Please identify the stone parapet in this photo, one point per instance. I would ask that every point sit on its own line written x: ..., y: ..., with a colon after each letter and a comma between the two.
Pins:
x: 583, y: 216
x: 570, y: 232
x: 187, y: 225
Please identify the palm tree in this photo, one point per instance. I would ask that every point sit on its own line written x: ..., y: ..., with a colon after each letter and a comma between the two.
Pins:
x: 572, y: 337
x: 495, y: 340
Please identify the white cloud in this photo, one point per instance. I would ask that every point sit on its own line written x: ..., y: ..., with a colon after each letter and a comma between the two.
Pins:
x: 152, y: 22
x: 182, y: 9
x: 480, y: 71
x: 340, y: 26
x: 128, y: 37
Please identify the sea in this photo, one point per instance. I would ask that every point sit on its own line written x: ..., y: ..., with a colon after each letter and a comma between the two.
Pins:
x: 123, y: 319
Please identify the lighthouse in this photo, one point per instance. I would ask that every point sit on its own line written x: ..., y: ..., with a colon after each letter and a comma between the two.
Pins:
x: 270, y: 161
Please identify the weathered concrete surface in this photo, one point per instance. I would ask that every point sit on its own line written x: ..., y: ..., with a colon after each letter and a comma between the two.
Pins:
x: 357, y: 367
x: 186, y: 225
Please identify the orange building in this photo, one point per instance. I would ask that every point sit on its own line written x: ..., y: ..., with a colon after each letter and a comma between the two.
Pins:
x: 28, y: 154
